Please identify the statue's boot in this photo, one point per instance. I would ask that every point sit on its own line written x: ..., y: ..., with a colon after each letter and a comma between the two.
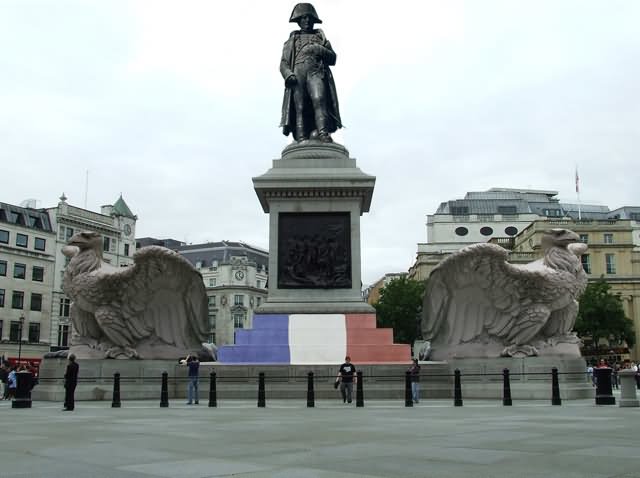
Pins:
x: 300, y: 131
x: 323, y: 134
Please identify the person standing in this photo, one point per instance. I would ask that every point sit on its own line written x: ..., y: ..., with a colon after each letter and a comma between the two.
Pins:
x: 4, y: 374
x: 347, y: 377
x: 414, y: 373
x: 193, y: 365
x: 12, y: 383
x: 70, y: 383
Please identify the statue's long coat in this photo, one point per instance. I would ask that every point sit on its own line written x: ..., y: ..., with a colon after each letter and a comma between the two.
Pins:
x: 288, y: 120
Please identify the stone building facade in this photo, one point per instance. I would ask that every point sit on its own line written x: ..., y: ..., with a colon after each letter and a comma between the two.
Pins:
x: 27, y: 270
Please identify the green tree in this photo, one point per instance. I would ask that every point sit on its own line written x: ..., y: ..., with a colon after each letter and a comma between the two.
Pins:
x: 398, y: 307
x: 601, y: 315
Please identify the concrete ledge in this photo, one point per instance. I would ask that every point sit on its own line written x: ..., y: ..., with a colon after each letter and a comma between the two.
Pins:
x: 141, y: 379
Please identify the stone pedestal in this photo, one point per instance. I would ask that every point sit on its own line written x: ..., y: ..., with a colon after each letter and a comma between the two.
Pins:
x: 315, y: 195
x: 314, y: 313
x: 628, y: 396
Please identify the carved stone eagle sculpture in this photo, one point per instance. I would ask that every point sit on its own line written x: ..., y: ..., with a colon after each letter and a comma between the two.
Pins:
x: 477, y: 304
x: 153, y: 309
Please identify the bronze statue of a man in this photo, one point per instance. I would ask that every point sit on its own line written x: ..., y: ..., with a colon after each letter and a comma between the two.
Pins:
x: 310, y: 106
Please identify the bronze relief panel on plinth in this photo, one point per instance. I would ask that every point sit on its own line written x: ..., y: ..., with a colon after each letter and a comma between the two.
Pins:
x: 314, y: 251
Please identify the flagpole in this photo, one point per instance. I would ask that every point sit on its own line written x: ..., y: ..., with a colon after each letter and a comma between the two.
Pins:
x: 578, y: 193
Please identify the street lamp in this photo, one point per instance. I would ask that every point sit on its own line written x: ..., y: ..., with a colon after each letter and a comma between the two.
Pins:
x: 20, y: 339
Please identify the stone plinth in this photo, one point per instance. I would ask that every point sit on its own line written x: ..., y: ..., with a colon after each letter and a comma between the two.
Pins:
x: 314, y: 313
x: 315, y: 195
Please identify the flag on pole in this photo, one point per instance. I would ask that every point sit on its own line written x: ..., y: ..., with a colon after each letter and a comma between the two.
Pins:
x: 577, y: 181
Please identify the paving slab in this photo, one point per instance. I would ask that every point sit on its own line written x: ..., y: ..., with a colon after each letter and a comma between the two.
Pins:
x: 531, y: 439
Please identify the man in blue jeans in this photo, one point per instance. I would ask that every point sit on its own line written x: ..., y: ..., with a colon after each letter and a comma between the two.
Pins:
x: 193, y: 365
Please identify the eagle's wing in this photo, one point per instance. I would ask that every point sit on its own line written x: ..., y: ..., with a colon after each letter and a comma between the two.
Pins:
x: 476, y: 292
x: 160, y: 295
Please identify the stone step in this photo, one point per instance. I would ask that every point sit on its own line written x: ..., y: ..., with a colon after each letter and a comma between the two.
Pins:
x: 375, y: 353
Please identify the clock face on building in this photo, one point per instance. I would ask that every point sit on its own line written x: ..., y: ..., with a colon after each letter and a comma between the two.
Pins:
x: 239, y: 275
x: 127, y: 229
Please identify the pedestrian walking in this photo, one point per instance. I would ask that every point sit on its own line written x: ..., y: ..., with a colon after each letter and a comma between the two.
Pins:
x: 347, y: 377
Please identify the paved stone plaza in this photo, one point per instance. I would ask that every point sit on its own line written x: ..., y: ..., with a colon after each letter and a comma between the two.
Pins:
x: 384, y: 439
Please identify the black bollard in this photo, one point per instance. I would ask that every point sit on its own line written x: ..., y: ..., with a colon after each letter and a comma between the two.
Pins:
x: 115, y: 403
x: 457, y: 389
x: 604, y: 393
x: 213, y: 394
x: 311, y: 395
x: 164, y: 392
x: 359, y: 391
x: 408, y: 396
x: 506, y: 388
x: 261, y: 396
x: 555, y: 387
x: 24, y: 383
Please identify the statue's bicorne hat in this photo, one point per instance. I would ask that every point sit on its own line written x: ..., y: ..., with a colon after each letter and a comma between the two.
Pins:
x: 302, y: 9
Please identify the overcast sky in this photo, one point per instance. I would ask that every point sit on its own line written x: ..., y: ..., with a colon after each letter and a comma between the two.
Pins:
x: 176, y: 105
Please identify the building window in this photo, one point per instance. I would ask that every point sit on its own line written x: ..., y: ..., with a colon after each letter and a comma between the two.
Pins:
x: 64, y: 307
x: 198, y: 264
x: 19, y: 271
x: 22, y: 240
x: 126, y: 249
x: 3, y: 268
x: 39, y: 244
x: 584, y: 238
x: 106, y: 244
x: 608, y: 238
x: 634, y: 216
x: 212, y: 321
x: 610, y: 260
x: 511, y: 231
x: 14, y: 331
x: 212, y: 282
x: 459, y: 210
x: 238, y: 299
x: 1, y: 329
x: 68, y: 233
x: 212, y: 338
x: 1, y: 300
x: 37, y: 274
x: 258, y: 301
x: 212, y: 300
x: 461, y: 231
x: 17, y: 300
x: 238, y: 320
x: 507, y: 210
x: 552, y: 212
x: 34, y: 332
x: 36, y: 302
x: 486, y: 231
x: 63, y: 335
x: 4, y: 237
x: 258, y: 283
x: 586, y: 263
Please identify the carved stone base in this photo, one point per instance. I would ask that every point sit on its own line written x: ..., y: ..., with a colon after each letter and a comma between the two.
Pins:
x: 488, y: 349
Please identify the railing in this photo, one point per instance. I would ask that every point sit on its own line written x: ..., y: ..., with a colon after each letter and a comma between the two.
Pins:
x: 314, y: 383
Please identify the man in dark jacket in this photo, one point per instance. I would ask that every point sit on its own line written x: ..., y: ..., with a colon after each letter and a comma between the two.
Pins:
x: 70, y: 382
